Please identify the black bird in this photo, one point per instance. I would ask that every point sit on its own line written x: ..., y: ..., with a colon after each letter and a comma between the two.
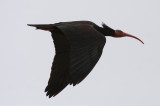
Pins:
x: 78, y: 46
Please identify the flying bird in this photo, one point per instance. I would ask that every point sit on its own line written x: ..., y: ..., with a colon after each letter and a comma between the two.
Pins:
x: 78, y: 47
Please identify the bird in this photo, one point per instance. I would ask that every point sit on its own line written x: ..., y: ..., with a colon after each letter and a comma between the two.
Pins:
x: 78, y: 48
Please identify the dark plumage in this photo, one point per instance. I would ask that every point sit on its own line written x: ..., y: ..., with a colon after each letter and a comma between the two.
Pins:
x: 78, y: 46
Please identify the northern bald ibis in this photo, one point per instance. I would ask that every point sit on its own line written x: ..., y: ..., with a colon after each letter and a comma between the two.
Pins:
x: 78, y: 46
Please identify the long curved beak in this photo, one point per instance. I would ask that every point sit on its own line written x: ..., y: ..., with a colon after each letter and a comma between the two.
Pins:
x: 46, y: 27
x: 128, y: 35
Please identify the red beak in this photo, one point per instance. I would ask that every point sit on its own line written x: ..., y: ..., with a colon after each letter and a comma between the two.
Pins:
x: 128, y: 35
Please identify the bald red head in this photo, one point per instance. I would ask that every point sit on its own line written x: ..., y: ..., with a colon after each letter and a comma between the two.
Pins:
x: 119, y: 33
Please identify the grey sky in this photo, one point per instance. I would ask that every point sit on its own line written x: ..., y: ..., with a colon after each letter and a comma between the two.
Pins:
x: 128, y: 73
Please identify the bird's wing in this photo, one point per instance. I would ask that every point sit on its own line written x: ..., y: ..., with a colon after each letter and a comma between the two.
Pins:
x: 86, y: 45
x: 78, y: 49
x: 61, y: 64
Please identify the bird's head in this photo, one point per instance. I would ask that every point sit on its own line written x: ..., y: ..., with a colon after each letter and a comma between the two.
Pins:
x: 107, y: 31
x: 119, y: 33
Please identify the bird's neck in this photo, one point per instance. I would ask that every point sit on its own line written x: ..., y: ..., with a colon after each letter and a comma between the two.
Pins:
x: 105, y: 31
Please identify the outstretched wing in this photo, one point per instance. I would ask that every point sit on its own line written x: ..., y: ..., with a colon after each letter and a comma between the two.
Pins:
x: 61, y: 64
x: 78, y: 49
x: 86, y: 45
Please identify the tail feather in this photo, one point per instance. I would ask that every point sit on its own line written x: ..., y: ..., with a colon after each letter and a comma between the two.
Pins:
x: 48, y: 27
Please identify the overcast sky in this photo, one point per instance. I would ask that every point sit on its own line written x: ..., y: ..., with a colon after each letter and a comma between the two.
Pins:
x: 128, y: 73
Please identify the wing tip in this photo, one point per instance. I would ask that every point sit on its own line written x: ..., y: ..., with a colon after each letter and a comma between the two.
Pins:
x: 52, y: 92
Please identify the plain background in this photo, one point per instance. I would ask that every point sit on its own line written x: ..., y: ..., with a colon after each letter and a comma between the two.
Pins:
x: 128, y: 73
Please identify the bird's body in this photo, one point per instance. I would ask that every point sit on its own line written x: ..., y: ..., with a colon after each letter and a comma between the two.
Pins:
x: 78, y: 45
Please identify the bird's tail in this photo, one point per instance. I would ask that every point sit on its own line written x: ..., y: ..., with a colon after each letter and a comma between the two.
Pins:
x: 47, y: 27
